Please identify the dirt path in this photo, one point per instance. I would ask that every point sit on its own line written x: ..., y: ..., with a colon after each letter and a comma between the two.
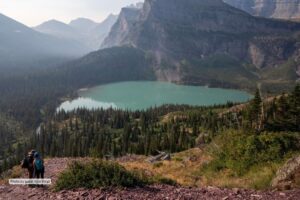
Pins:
x: 56, y: 165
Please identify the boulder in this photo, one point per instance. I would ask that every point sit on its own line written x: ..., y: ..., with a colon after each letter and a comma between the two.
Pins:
x: 287, y: 176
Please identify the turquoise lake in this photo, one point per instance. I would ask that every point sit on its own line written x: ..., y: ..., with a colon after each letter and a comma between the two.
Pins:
x: 144, y: 94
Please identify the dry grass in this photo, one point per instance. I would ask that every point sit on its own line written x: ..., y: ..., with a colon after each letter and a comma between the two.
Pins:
x: 186, y: 169
x: 181, y: 168
x: 258, y: 177
x: 15, y: 172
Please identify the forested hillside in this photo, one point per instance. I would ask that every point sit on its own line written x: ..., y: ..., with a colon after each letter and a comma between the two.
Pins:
x: 273, y: 124
x: 29, y: 98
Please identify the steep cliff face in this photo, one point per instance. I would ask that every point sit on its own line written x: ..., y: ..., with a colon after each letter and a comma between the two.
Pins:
x: 206, y: 41
x: 283, y: 9
x: 120, y: 29
x: 204, y: 28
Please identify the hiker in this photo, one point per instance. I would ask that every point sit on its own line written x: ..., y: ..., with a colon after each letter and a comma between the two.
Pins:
x: 28, y: 163
x: 38, y: 166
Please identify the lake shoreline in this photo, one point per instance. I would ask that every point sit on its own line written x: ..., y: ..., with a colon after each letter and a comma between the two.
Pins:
x: 164, y: 93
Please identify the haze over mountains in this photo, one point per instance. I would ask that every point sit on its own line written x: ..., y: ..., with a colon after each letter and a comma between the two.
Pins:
x: 283, y: 9
x: 200, y: 42
x: 21, y: 46
x: 85, y: 31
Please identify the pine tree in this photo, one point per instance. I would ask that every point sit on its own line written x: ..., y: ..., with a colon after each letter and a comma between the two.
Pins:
x: 256, y: 111
x: 295, y: 107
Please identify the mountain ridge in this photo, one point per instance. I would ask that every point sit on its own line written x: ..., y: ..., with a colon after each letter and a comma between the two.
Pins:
x: 186, y: 38
x: 85, y: 31
x: 21, y: 45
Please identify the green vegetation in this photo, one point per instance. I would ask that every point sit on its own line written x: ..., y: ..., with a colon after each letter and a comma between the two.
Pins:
x: 217, y: 71
x: 254, y: 136
x: 27, y: 99
x: 34, y: 97
x: 114, y: 133
x: 239, y: 151
x: 265, y: 134
x: 96, y: 174
x: 12, y: 143
x: 99, y: 173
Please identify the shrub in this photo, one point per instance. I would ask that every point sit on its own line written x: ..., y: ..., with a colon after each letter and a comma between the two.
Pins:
x: 166, y: 181
x: 97, y: 174
x: 239, y: 151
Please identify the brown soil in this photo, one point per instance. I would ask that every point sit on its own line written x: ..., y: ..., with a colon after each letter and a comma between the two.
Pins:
x: 56, y: 165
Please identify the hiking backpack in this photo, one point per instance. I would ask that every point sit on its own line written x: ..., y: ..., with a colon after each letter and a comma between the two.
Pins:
x: 39, y: 165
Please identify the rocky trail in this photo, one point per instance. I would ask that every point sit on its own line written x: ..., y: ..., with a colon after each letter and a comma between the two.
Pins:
x: 56, y: 165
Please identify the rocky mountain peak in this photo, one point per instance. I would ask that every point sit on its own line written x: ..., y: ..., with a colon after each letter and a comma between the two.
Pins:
x: 126, y: 19
x: 283, y: 9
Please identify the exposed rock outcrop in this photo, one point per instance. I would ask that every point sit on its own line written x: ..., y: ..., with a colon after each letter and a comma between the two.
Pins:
x: 283, y: 9
x: 120, y: 29
x: 288, y: 176
x: 188, y: 37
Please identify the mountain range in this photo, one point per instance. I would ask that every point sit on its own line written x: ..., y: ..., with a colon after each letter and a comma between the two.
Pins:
x: 283, y: 9
x: 82, y: 30
x: 21, y: 46
x: 200, y: 42
x: 207, y: 42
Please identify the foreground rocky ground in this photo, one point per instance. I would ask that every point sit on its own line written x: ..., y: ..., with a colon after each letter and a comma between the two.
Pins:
x: 56, y: 165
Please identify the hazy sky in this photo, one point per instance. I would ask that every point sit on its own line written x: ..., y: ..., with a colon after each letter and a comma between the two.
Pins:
x: 33, y: 12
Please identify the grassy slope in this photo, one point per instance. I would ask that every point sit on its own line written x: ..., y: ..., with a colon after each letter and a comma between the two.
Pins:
x: 187, y: 169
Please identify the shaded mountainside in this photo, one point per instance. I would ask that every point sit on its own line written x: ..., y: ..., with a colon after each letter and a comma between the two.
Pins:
x: 205, y: 42
x: 57, y: 28
x: 41, y: 92
x: 282, y: 9
x: 21, y: 46
x: 108, y: 65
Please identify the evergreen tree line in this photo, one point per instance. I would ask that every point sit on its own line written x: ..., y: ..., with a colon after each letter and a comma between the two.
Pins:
x: 169, y: 128
x: 117, y: 132
x: 281, y: 113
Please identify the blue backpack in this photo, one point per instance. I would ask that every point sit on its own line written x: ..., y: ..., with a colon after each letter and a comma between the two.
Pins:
x: 39, y: 165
